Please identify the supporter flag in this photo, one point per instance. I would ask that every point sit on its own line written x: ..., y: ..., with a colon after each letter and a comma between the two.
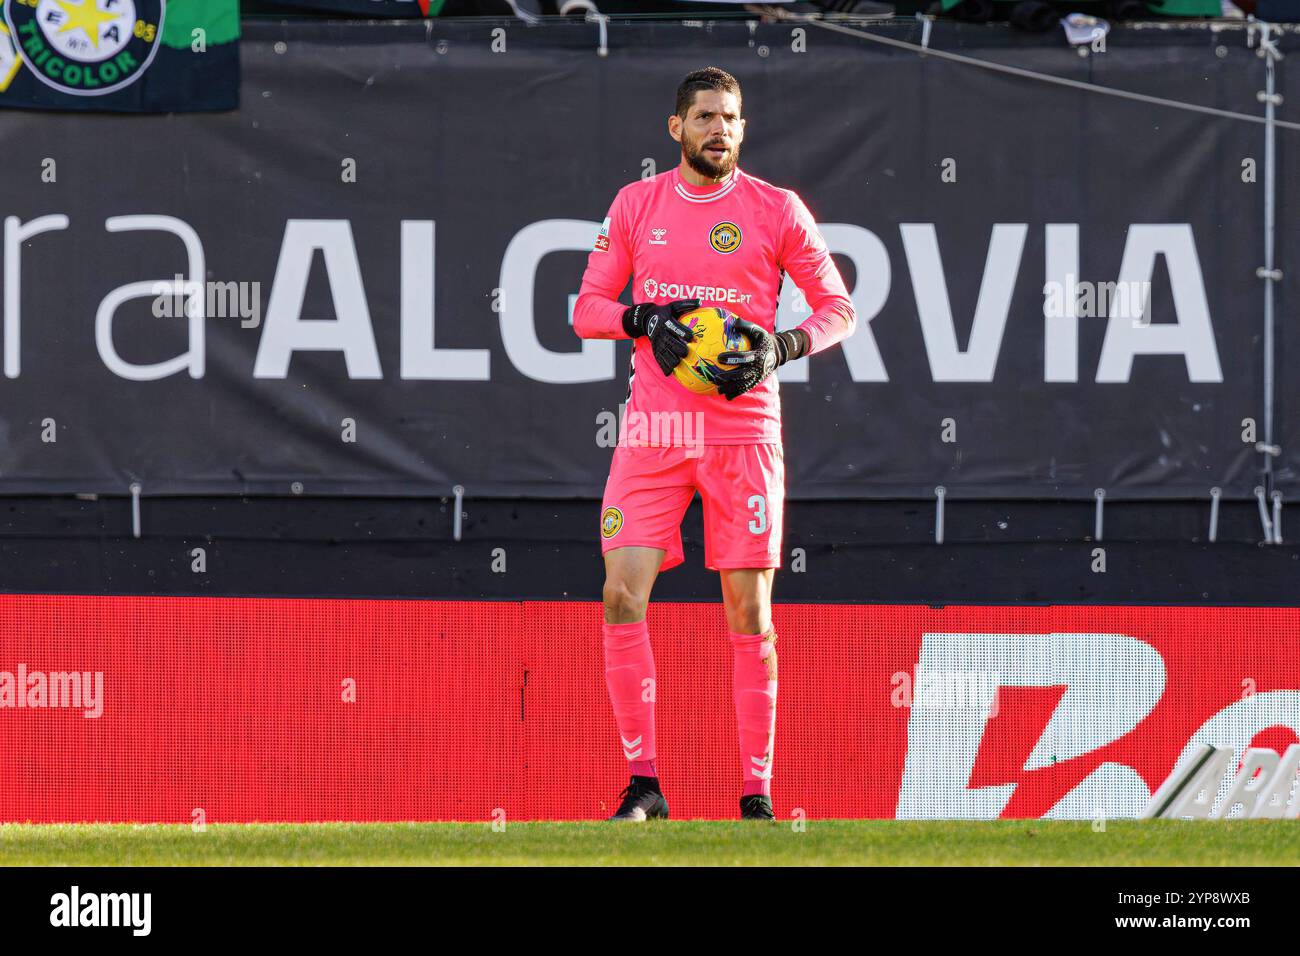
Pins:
x: 154, y: 56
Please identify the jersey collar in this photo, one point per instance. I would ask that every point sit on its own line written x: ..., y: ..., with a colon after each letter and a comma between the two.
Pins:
x: 701, y: 194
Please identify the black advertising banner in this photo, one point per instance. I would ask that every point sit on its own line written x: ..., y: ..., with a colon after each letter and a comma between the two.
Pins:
x: 1056, y: 290
x: 152, y: 56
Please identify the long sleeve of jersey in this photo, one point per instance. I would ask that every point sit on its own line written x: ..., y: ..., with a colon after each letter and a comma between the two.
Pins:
x: 808, y: 262
x: 598, y: 314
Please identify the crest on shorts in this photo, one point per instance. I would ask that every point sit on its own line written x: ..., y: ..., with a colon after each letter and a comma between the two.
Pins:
x: 611, y: 522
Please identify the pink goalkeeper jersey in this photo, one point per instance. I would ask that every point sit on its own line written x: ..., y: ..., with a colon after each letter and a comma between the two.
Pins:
x: 728, y: 244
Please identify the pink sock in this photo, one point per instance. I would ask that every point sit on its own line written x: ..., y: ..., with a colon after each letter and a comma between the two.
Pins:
x: 754, y: 689
x: 630, y: 676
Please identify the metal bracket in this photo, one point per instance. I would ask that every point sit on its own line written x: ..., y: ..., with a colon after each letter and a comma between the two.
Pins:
x: 1263, y: 514
x: 1100, y: 495
x: 459, y: 492
x: 602, y: 20
x: 926, y: 24
x: 1273, y: 275
x: 1215, y: 495
x: 135, y: 509
x: 1277, y: 517
x: 1264, y: 31
x: 1264, y: 449
x: 940, y: 492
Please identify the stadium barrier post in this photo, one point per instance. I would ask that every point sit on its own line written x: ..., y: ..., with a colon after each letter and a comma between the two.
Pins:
x: 135, y: 509
x: 940, y: 493
x: 459, y: 492
x: 1263, y: 514
x: 1269, y: 272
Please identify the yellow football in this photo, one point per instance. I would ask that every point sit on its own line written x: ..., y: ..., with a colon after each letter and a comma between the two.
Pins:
x: 711, y: 335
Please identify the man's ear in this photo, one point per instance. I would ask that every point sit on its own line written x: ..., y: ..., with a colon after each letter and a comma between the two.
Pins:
x: 741, y: 138
x: 675, y: 127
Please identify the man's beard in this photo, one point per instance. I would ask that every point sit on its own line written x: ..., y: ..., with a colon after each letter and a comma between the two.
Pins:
x: 705, y: 166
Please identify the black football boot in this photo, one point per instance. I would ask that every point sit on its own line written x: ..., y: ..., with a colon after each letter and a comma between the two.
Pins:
x: 642, y: 800
x: 756, y: 807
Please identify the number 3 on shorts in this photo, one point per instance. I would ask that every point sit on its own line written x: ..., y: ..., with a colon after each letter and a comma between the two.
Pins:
x: 759, y: 505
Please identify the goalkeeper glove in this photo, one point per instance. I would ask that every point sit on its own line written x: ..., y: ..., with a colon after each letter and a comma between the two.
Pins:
x: 669, y: 339
x: 767, y: 352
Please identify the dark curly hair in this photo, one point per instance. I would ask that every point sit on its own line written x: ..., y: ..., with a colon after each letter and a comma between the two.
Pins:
x: 709, y: 78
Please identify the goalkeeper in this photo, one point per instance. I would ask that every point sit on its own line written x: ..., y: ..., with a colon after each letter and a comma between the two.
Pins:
x: 702, y: 233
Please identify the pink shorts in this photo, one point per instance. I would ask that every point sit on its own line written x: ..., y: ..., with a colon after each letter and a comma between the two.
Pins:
x: 742, y: 487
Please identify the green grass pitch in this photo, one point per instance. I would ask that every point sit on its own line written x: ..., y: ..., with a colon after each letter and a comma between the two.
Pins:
x: 708, y: 843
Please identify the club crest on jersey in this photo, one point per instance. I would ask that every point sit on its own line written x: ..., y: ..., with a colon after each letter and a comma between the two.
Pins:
x: 611, y: 522
x: 602, y: 238
x: 86, y: 47
x: 725, y: 237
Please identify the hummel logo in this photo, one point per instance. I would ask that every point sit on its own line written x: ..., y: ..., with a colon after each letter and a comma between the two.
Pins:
x: 759, y: 763
x: 659, y: 235
x: 628, y: 752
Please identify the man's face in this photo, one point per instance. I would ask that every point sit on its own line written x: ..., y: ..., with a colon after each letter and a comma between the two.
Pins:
x: 711, y: 134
